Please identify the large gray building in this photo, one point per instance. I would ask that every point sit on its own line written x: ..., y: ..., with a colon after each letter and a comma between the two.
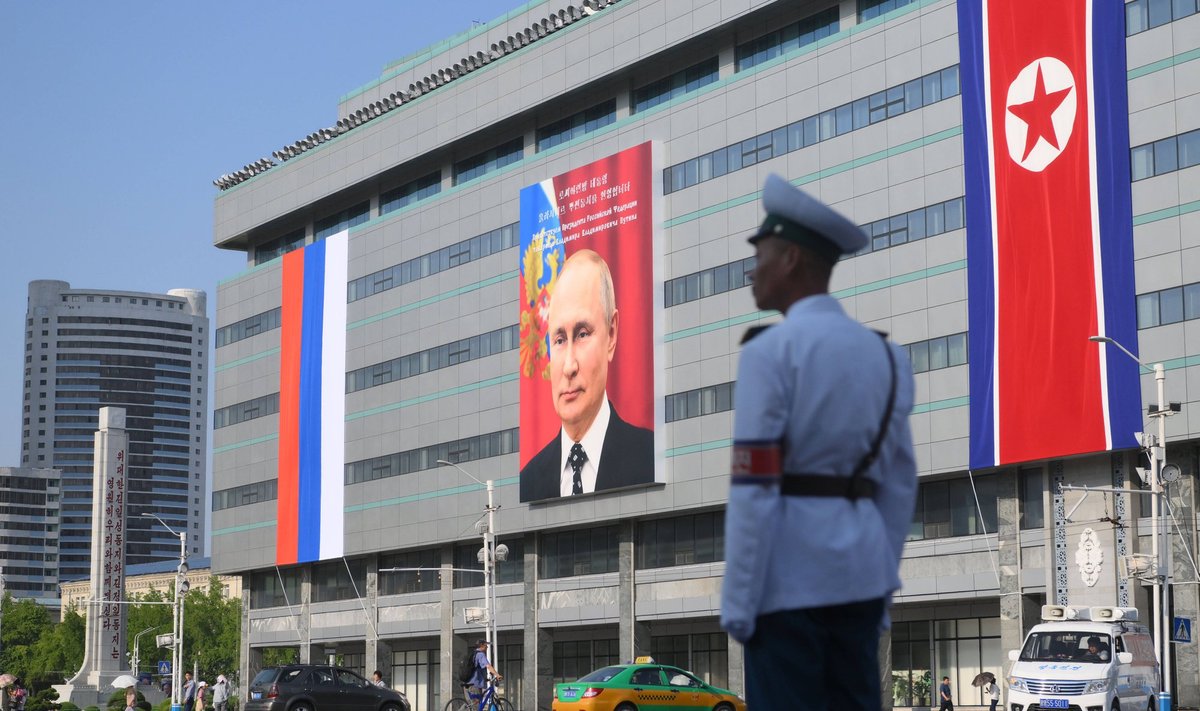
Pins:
x: 29, y: 501
x: 860, y: 102
x: 148, y: 353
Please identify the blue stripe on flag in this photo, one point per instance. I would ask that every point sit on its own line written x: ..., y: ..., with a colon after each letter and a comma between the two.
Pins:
x: 311, y: 338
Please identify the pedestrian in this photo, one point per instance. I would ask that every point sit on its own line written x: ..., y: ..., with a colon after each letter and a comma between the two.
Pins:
x: 189, y: 692
x: 823, y: 477
x: 200, y: 689
x: 377, y: 679
x: 130, y: 699
x: 221, y: 692
x: 947, y: 697
x: 19, y: 694
x: 993, y: 692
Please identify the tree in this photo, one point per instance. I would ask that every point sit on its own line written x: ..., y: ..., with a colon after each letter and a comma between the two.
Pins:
x: 59, y: 653
x: 155, y: 617
x: 212, y: 628
x: 25, y: 622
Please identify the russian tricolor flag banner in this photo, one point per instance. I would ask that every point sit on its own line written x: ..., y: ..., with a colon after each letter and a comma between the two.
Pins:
x: 312, y: 403
x: 1049, y: 228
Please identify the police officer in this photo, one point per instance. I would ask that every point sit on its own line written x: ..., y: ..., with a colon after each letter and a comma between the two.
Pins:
x: 823, y: 478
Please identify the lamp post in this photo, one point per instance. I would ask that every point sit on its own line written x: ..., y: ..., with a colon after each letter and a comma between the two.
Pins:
x: 489, y: 556
x: 177, y: 618
x: 136, y: 658
x: 1162, y: 576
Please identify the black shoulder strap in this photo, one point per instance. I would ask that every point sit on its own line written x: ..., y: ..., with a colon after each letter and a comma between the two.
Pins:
x: 869, y: 458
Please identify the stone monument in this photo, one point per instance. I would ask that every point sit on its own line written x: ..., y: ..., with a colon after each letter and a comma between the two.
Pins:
x: 104, y: 641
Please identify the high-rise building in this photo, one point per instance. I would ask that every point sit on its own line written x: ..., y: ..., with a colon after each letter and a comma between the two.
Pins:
x: 90, y: 348
x: 29, y: 501
x: 402, y: 265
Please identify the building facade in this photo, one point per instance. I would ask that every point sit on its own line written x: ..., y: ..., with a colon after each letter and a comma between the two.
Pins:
x: 143, y: 578
x: 423, y: 183
x: 29, y: 501
x: 88, y: 348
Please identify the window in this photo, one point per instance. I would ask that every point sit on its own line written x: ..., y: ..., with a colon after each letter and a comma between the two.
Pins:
x: 344, y: 220
x: 838, y: 121
x: 677, y: 84
x: 410, y: 581
x: 1142, y: 15
x: 577, y: 125
x: 914, y: 225
x: 681, y: 540
x: 1033, y: 513
x: 422, y: 458
x: 708, y: 282
x: 466, y: 557
x: 246, y: 328
x: 266, y: 590
x: 870, y: 9
x: 574, y: 659
x: 272, y: 249
x: 791, y: 37
x: 410, y: 193
x: 1159, y: 308
x: 331, y: 581
x: 1165, y: 155
x: 948, y: 508
x: 937, y: 353
x: 583, y: 552
x: 494, y: 159
x: 701, y: 401
x: 244, y: 411
x: 467, y: 349
x: 706, y: 655
x: 245, y: 495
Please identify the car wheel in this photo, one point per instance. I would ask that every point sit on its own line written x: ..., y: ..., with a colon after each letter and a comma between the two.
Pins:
x: 302, y: 706
x: 723, y: 707
x: 390, y: 707
x: 626, y: 707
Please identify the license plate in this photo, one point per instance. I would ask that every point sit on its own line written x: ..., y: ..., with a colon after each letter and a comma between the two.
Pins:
x: 256, y: 695
x: 569, y: 694
x: 1053, y: 703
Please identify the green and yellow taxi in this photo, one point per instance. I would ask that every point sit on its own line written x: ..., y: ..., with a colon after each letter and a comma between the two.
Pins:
x: 643, y: 686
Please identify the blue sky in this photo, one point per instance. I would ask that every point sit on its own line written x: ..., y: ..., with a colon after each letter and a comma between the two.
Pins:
x: 115, y: 117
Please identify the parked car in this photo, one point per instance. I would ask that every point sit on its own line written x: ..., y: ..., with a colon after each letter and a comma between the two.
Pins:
x: 319, y: 687
x: 643, y: 684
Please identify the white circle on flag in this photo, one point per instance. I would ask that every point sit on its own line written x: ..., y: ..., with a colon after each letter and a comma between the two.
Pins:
x: 1053, y: 96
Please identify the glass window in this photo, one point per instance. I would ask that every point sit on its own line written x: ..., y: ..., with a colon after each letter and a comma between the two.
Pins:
x: 1170, y: 305
x: 1160, y: 12
x: 1191, y: 301
x: 1136, y: 17
x: 918, y: 353
x: 1142, y: 162
x: 957, y: 349
x: 1166, y: 159
x: 1033, y: 514
x: 1147, y: 310
x: 1189, y: 149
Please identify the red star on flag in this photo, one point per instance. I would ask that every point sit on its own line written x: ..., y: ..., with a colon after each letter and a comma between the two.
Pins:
x: 1038, y: 114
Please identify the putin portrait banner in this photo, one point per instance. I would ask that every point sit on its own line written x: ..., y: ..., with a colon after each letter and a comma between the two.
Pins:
x: 587, y: 328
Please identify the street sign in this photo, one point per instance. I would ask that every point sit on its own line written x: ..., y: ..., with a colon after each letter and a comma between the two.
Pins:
x: 164, y: 640
x: 164, y: 667
x: 1181, y: 630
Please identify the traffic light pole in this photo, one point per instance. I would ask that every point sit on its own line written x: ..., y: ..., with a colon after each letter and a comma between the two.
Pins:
x: 181, y: 587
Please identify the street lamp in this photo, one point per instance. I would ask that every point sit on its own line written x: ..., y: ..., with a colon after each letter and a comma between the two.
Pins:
x: 136, y: 659
x: 489, y: 555
x: 1162, y: 577
x: 181, y: 584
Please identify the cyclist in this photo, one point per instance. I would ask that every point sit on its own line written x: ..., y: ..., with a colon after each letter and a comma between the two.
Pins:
x: 483, y: 667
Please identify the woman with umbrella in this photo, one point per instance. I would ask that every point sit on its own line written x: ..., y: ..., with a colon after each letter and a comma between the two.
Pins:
x: 988, y: 681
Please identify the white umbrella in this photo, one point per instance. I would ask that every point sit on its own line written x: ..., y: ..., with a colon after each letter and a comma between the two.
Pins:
x: 124, y: 682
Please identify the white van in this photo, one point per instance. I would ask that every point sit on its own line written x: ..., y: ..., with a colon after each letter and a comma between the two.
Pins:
x: 1084, y: 659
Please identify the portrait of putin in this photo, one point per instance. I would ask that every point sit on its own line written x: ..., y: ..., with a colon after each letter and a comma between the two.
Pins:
x: 594, y: 449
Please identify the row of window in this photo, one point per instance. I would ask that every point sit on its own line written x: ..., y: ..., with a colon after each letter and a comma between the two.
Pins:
x: 914, y: 225
x: 118, y: 346
x: 1165, y: 155
x: 960, y: 507
x: 245, y: 494
x: 468, y: 449
x: 440, y: 260
x: 132, y: 361
x: 868, y: 110
x: 577, y: 125
x: 410, y: 193
x: 782, y: 41
x: 677, y: 84
x: 444, y: 356
x: 707, y: 282
x: 120, y: 321
x: 701, y: 401
x: 937, y: 353
x: 246, y: 411
x: 126, y: 333
x: 342, y: 220
x: 1142, y: 15
x: 26, y: 482
x: 869, y: 9
x: 74, y: 298
x: 492, y: 159
x: 248, y: 327
x: 279, y: 246
x: 1159, y: 308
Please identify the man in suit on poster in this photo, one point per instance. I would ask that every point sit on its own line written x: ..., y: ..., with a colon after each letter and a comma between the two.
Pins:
x: 595, y: 449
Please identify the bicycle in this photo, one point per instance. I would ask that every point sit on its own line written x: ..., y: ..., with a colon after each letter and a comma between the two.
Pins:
x: 487, y: 701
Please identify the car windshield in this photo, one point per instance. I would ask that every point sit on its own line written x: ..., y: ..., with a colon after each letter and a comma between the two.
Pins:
x: 1067, y: 646
x: 602, y: 675
x: 266, y: 676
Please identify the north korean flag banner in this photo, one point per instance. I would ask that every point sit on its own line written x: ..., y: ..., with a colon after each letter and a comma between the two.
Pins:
x: 1049, y: 229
